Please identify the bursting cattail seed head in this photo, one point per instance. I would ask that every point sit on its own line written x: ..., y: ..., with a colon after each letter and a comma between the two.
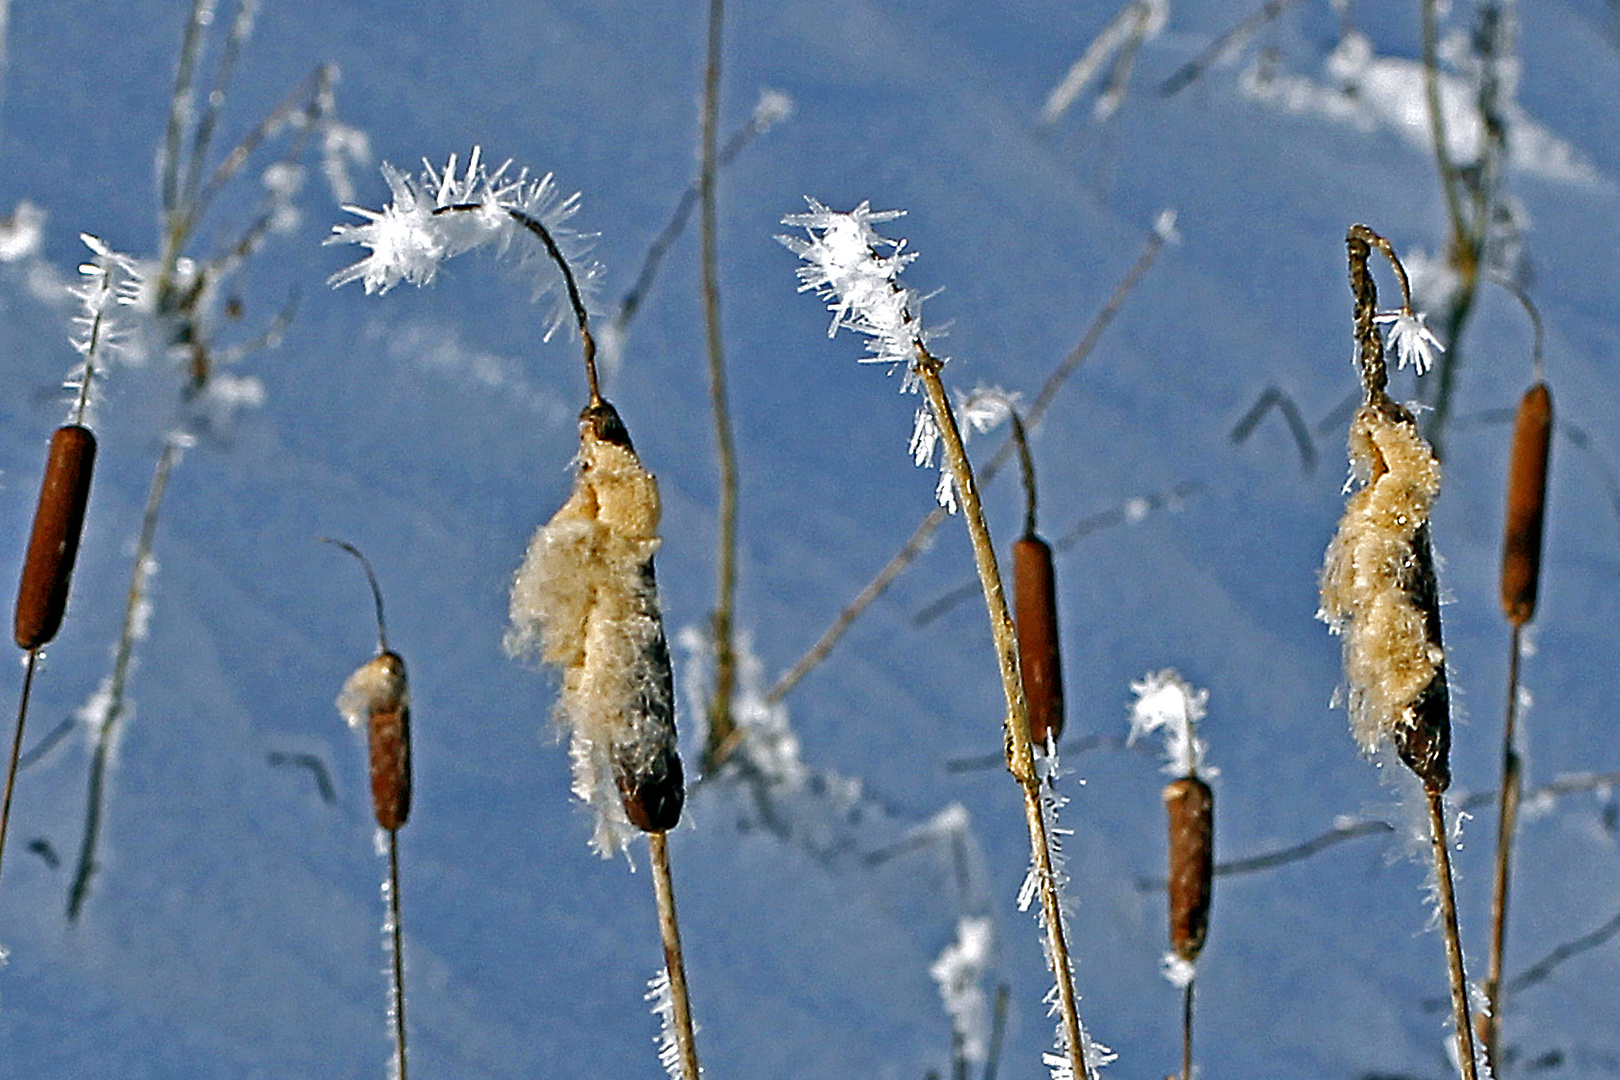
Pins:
x: 53, y: 545
x: 376, y: 699
x: 1035, y: 611
x: 1379, y: 590
x: 1526, y: 505
x: 586, y: 601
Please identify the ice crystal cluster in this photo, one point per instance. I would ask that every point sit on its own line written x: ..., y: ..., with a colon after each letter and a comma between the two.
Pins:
x: 108, y: 281
x: 1165, y: 701
x: 585, y: 600
x: 447, y: 212
x: 849, y: 264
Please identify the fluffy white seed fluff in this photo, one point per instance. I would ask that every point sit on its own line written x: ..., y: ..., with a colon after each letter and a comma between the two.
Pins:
x: 584, y: 601
x: 378, y: 685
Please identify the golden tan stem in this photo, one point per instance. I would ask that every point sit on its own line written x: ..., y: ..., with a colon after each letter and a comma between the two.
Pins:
x: 1506, y: 821
x: 674, y: 961
x: 398, y: 954
x: 1020, y: 753
x: 1448, y: 915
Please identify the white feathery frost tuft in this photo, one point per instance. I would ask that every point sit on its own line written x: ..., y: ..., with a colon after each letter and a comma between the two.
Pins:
x: 1165, y: 700
x: 1414, y: 343
x: 845, y: 265
x: 109, y: 280
x: 447, y: 212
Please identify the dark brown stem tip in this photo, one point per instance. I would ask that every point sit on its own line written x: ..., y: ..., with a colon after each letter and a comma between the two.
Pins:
x: 1526, y: 505
x: 1191, y: 808
x: 1039, y: 656
x: 603, y: 421
x: 53, y: 546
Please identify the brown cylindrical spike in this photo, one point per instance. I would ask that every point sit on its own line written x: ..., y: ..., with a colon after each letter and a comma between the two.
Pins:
x: 653, y: 792
x: 1191, y: 806
x: 1526, y: 505
x: 54, y: 544
x: 1035, y: 615
x: 388, y: 737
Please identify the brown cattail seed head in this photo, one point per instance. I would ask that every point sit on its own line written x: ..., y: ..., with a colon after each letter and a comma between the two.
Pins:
x: 1526, y: 505
x: 1035, y: 610
x: 54, y: 544
x: 586, y: 600
x: 1191, y: 807
x: 377, y: 698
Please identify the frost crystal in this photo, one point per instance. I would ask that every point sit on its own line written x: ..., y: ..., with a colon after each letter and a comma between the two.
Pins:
x: 1165, y: 700
x: 663, y: 1007
x: 444, y: 213
x: 1412, y: 341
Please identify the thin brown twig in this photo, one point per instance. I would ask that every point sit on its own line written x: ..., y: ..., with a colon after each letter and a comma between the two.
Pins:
x: 721, y: 725
x: 1507, y: 817
x: 674, y: 960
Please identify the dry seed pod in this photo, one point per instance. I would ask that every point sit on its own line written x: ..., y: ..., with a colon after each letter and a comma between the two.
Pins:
x: 1379, y: 590
x: 54, y: 544
x: 1526, y: 505
x: 1035, y: 610
x: 586, y: 600
x: 377, y: 698
x: 1191, y: 807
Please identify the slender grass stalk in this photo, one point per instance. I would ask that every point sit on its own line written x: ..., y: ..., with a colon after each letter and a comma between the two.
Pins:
x: 1020, y: 752
x: 1187, y: 1029
x: 721, y: 725
x: 16, y: 745
x: 396, y: 1009
x: 674, y: 959
x: 920, y: 538
x: 123, y: 656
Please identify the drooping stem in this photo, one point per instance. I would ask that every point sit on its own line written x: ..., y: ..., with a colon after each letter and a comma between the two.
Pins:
x: 919, y: 540
x: 1441, y: 847
x: 582, y: 320
x: 16, y: 745
x: 1026, y: 468
x: 397, y: 955
x: 124, y: 655
x: 1020, y: 752
x: 721, y: 724
x: 1507, y: 816
x: 674, y: 960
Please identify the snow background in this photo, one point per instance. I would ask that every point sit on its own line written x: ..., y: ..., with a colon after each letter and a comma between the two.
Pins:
x: 234, y: 928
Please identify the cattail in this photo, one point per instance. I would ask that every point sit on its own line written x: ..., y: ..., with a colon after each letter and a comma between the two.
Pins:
x: 1191, y: 806
x: 1035, y: 611
x: 54, y: 543
x: 1526, y: 505
x: 377, y: 698
x: 586, y: 600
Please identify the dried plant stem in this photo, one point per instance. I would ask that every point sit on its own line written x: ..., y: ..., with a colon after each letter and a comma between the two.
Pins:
x: 122, y: 659
x: 919, y: 540
x: 721, y: 725
x: 397, y: 950
x: 1441, y: 848
x: 674, y: 960
x: 1020, y: 751
x: 1186, y: 1030
x: 1506, y: 823
x: 16, y: 745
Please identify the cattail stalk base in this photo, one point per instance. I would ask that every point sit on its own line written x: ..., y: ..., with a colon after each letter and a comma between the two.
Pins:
x: 674, y: 959
x: 1441, y: 847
